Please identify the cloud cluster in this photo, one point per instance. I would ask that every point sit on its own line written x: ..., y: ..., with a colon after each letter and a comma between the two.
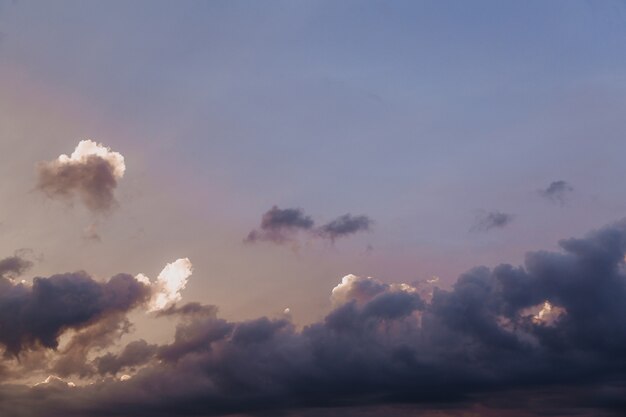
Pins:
x: 282, y: 225
x: 90, y: 173
x: 553, y: 330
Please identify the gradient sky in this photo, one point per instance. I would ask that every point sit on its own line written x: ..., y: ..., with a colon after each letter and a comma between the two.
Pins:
x: 443, y: 122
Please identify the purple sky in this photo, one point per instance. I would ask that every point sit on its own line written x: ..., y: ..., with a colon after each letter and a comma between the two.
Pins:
x: 281, y: 146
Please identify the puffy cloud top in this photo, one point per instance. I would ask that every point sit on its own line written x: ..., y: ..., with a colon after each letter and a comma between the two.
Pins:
x: 90, y: 173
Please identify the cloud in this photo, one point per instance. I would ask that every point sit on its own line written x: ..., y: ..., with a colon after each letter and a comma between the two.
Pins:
x: 544, y: 338
x: 35, y: 316
x: 90, y: 173
x: 344, y: 226
x: 282, y: 225
x: 557, y: 191
x: 134, y: 354
x: 486, y: 221
x: 14, y: 266
x: 168, y: 285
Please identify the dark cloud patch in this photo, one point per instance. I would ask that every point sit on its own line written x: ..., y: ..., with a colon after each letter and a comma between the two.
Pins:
x: 14, y: 266
x: 486, y: 221
x: 279, y: 225
x: 92, y: 181
x: 90, y: 174
x: 344, y: 226
x: 35, y: 316
x: 557, y: 191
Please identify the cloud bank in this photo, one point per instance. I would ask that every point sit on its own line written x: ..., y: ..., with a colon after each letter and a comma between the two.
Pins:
x: 90, y: 174
x: 545, y: 338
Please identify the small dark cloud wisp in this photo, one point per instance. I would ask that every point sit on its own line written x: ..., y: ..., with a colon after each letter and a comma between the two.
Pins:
x: 557, y: 191
x: 486, y: 221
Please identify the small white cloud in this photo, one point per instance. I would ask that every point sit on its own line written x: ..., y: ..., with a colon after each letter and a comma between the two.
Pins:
x: 168, y: 285
x: 87, y: 148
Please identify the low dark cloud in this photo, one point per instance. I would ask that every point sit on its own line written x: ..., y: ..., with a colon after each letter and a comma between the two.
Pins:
x: 35, y: 316
x: 90, y: 174
x: 545, y: 338
x: 344, y: 226
x: 486, y: 221
x: 282, y: 225
x: 557, y: 191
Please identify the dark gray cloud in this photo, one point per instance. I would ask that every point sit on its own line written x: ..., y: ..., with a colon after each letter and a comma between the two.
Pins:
x: 557, y: 191
x: 281, y: 226
x: 188, y: 310
x: 134, y: 354
x: 90, y: 174
x: 545, y: 338
x: 344, y: 226
x: 14, y: 266
x: 35, y: 316
x: 73, y: 359
x: 486, y: 221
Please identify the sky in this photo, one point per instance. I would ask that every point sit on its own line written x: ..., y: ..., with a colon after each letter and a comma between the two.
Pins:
x: 312, y: 208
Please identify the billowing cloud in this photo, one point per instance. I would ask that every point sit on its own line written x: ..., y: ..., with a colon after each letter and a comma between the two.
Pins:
x: 35, y: 315
x: 553, y: 330
x: 486, y: 221
x: 168, y: 285
x: 557, y: 191
x: 282, y: 225
x: 344, y: 226
x: 90, y: 173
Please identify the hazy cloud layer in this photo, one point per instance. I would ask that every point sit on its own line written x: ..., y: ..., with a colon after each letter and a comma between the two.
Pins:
x: 557, y: 191
x: 282, y: 225
x: 90, y: 174
x: 486, y: 221
x: 553, y: 330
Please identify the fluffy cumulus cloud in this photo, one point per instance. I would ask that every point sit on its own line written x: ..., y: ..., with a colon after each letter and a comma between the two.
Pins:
x: 487, y: 220
x: 90, y: 174
x: 545, y: 338
x: 283, y: 225
x: 557, y: 191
